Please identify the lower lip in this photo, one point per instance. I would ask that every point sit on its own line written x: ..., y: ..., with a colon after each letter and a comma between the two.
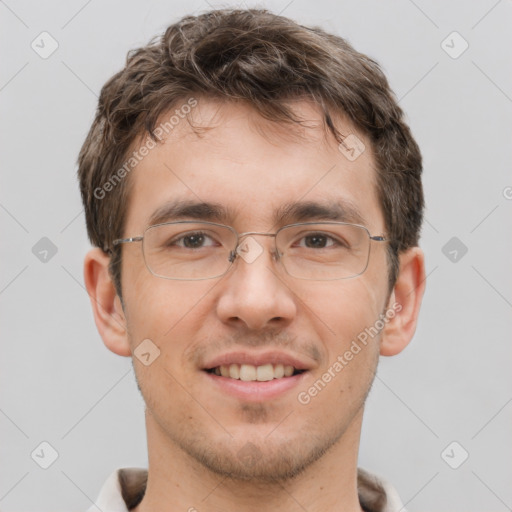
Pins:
x: 255, y: 391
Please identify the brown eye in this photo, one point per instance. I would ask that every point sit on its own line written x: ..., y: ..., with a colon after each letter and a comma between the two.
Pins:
x: 193, y: 241
x: 316, y: 241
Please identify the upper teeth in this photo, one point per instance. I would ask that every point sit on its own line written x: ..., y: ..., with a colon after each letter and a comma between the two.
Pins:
x: 249, y: 372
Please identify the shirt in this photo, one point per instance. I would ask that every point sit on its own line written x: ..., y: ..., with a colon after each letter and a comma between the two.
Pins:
x: 125, y: 487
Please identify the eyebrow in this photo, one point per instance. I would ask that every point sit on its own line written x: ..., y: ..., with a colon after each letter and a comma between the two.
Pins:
x: 338, y: 211
x: 301, y: 211
x: 181, y: 209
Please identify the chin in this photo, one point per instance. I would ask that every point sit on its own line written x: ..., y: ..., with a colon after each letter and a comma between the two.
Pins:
x: 260, y: 460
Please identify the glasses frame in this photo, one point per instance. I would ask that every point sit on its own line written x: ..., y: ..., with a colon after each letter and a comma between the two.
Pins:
x: 233, y: 254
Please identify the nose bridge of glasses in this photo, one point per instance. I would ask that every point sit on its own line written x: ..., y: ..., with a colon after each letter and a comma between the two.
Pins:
x: 260, y: 233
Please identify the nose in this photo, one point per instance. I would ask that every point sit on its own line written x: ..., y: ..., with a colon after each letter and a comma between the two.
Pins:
x: 255, y: 292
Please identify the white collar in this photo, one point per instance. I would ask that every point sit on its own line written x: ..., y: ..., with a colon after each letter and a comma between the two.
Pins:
x: 124, y: 485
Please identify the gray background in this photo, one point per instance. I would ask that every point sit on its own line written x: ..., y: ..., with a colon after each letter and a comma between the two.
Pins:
x: 59, y: 384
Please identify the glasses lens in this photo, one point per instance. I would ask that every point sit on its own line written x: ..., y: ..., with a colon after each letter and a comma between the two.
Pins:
x: 188, y: 250
x: 325, y: 251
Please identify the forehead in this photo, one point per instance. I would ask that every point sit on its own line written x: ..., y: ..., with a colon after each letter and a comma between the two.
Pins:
x: 252, y: 170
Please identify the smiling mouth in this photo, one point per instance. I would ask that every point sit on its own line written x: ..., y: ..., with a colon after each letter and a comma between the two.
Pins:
x: 249, y: 372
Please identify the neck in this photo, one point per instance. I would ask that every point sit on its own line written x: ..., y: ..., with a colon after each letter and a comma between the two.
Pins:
x: 176, y: 481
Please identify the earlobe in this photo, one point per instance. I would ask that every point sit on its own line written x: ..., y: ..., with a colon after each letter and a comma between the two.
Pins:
x: 106, y: 305
x: 404, y: 303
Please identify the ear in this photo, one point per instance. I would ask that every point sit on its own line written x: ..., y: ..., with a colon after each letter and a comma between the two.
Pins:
x: 106, y: 305
x: 405, y: 302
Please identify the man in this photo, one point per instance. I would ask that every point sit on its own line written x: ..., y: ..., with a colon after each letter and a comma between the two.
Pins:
x: 255, y: 200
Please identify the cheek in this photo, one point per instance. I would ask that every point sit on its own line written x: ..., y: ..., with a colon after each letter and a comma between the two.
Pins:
x: 169, y: 313
x: 344, y: 316
x: 165, y: 311
x: 341, y: 310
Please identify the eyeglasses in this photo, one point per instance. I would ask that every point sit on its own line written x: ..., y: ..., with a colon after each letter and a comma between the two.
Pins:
x: 190, y: 250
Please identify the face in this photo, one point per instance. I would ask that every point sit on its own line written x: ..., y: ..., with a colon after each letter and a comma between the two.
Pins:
x: 256, y: 314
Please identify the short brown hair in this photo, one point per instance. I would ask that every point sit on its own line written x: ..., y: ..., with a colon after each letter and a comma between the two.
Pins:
x: 264, y: 60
